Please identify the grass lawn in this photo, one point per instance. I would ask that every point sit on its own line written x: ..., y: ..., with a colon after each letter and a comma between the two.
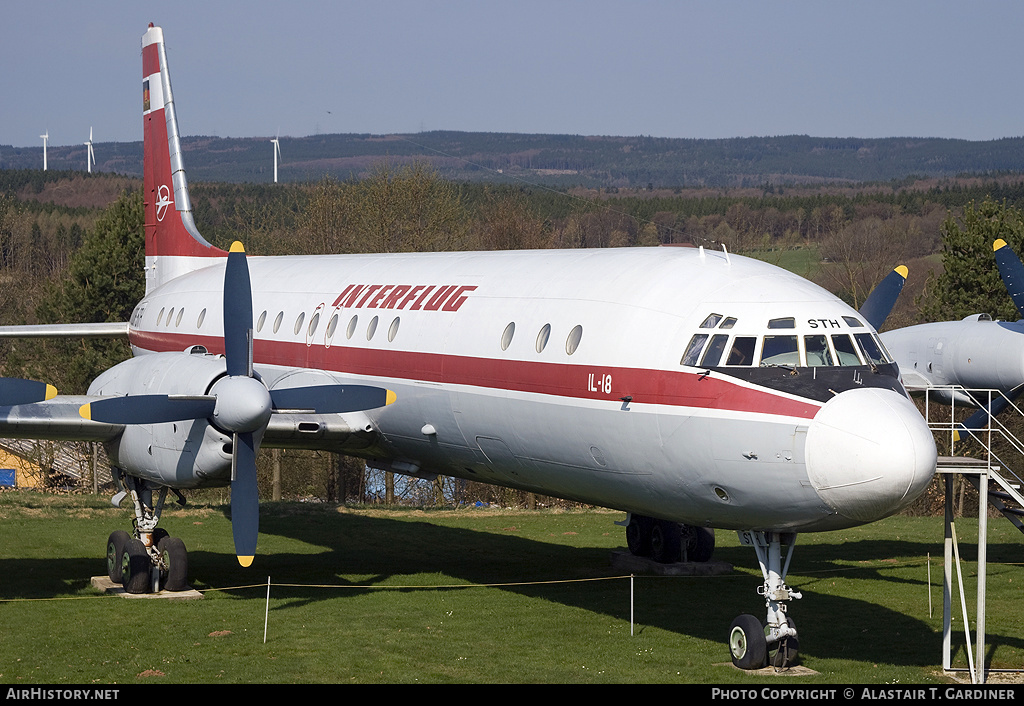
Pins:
x: 486, y: 596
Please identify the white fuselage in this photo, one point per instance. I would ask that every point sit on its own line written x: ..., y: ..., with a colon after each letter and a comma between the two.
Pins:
x: 562, y: 372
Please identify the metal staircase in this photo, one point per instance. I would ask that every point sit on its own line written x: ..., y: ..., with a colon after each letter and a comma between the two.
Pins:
x: 992, y: 447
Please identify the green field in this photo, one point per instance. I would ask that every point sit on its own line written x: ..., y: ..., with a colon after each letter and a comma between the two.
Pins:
x: 482, y: 596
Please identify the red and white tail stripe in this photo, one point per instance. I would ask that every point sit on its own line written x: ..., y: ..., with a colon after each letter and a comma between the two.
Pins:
x: 173, y: 244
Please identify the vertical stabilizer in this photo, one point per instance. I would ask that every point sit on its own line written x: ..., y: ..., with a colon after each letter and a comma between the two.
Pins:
x: 173, y: 244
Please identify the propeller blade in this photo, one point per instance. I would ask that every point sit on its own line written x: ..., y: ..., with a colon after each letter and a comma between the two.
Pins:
x: 1012, y: 272
x: 877, y: 307
x: 148, y: 409
x: 331, y: 399
x: 15, y: 391
x: 245, y: 500
x: 237, y: 313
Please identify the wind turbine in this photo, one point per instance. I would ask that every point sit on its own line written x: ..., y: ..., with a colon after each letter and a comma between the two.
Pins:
x: 45, y: 137
x: 277, y: 151
x: 89, y: 156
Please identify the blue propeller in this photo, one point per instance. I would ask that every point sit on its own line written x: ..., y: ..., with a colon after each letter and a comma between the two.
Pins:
x: 877, y: 307
x: 239, y: 404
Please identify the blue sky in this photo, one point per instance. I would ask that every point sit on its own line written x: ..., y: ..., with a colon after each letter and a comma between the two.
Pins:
x: 668, y: 69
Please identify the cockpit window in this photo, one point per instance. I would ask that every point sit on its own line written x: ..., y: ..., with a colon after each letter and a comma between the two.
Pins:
x: 786, y: 322
x: 818, y: 353
x: 692, y: 354
x: 780, y: 350
x: 852, y: 322
x: 713, y: 355
x: 871, y: 350
x: 742, y: 352
x: 711, y: 321
x: 728, y: 322
x: 845, y: 350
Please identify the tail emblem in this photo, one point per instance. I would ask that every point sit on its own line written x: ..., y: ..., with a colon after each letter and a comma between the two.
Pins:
x: 164, y: 196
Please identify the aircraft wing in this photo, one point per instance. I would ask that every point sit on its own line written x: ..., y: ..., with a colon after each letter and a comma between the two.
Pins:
x: 57, y: 419
x: 112, y: 329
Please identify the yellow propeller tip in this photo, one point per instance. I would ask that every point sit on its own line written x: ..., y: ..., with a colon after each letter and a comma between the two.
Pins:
x: 237, y: 247
x: 1000, y: 243
x: 51, y: 392
x: 85, y: 411
x: 391, y: 397
x: 956, y: 436
x: 902, y: 269
x: 245, y: 561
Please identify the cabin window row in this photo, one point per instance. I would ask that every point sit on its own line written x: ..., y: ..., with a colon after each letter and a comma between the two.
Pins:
x: 818, y: 350
x: 332, y: 326
x: 572, y: 341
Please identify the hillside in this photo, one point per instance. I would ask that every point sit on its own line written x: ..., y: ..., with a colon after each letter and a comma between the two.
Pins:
x: 561, y: 160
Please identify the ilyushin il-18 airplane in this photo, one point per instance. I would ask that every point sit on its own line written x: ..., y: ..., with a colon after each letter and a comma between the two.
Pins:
x: 690, y: 388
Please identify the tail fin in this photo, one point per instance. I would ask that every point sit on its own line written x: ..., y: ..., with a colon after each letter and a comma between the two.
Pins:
x: 173, y: 244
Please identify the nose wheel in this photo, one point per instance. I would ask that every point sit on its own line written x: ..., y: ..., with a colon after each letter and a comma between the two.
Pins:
x: 754, y: 644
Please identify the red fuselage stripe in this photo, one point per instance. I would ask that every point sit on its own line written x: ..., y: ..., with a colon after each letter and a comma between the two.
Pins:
x: 596, y: 382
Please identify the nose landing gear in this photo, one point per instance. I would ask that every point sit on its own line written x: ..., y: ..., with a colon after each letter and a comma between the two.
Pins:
x: 753, y: 644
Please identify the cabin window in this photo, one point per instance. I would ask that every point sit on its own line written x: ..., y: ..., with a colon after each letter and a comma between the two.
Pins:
x: 785, y: 322
x: 332, y: 326
x: 371, y: 328
x: 693, y: 349
x: 278, y: 320
x: 160, y: 316
x: 713, y: 355
x: 780, y: 350
x: 542, y: 337
x: 351, y: 329
x: 170, y: 315
x: 711, y: 321
x: 298, y: 322
x: 393, y: 329
x: 742, y: 352
x: 846, y: 352
x: 573, y: 342
x: 202, y: 317
x: 851, y: 321
x: 870, y: 348
x: 259, y: 323
x: 507, y: 334
x: 818, y: 353
x: 313, y: 323
x: 181, y: 312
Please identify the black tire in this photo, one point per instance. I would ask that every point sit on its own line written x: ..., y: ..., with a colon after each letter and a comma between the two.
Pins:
x: 700, y: 544
x: 747, y: 644
x: 666, y: 542
x: 784, y: 653
x: 115, y: 549
x: 175, y: 561
x: 135, y: 567
x: 638, y: 535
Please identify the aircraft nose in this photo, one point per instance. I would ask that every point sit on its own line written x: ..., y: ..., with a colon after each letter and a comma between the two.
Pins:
x: 869, y: 453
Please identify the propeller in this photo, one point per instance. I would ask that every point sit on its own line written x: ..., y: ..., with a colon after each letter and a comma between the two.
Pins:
x: 239, y: 404
x: 1012, y: 272
x: 15, y: 391
x: 877, y: 307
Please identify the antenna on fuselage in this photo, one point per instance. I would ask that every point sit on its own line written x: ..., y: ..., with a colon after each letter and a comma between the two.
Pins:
x: 726, y: 251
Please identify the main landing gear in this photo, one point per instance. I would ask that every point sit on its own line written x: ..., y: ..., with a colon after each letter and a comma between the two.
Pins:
x: 754, y: 644
x: 668, y: 542
x: 149, y: 559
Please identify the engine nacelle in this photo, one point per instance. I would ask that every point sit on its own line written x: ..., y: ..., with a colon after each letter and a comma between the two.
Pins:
x: 185, y: 454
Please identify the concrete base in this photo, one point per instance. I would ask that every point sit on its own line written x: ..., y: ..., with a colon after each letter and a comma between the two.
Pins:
x: 105, y: 585
x: 623, y: 559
